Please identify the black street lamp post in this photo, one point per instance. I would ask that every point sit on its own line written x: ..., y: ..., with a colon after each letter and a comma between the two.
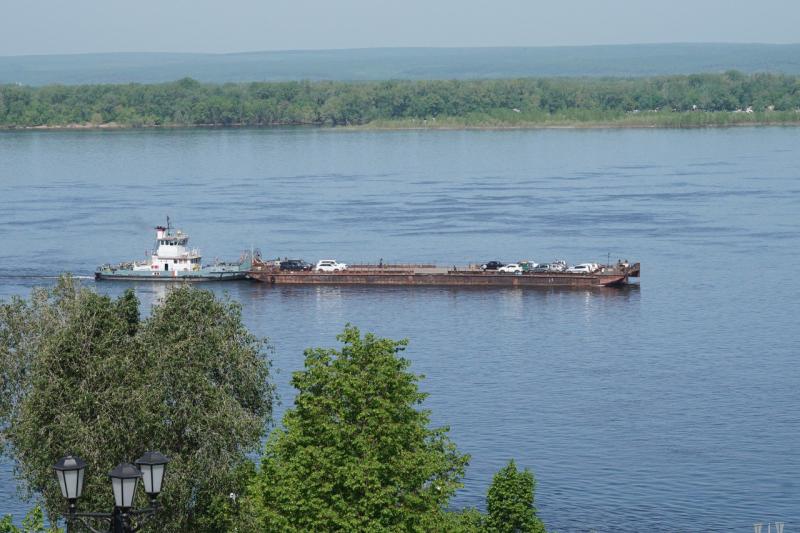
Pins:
x: 124, y: 481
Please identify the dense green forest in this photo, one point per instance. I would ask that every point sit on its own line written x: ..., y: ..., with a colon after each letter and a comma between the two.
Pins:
x: 698, y: 99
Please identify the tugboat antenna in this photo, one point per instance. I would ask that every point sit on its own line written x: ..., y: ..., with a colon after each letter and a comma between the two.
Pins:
x: 167, y: 223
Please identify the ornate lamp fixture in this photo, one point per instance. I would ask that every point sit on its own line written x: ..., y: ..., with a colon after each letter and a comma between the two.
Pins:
x: 124, y: 481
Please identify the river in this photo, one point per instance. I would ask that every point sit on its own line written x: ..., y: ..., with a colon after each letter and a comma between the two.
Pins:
x: 670, y: 406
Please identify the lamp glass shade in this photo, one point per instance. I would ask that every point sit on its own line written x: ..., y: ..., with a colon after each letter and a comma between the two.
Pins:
x: 124, y: 490
x: 69, y: 472
x: 152, y: 476
x: 124, y: 479
x: 152, y: 464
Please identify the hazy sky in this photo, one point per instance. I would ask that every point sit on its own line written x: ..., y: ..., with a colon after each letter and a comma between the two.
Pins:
x: 76, y: 26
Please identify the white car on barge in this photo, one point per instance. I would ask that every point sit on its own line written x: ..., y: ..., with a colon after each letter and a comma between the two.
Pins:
x: 173, y: 260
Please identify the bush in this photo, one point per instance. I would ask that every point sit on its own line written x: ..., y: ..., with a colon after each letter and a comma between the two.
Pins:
x: 510, y: 502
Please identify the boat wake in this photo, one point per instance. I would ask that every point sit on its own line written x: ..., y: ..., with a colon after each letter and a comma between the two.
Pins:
x: 39, y: 276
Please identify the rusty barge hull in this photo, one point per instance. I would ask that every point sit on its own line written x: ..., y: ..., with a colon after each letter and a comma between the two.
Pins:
x: 451, y: 278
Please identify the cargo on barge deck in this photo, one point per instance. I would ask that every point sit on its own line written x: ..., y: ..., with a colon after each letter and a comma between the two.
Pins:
x: 427, y: 275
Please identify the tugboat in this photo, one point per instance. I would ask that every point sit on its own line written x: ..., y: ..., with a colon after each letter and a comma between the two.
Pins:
x: 173, y: 261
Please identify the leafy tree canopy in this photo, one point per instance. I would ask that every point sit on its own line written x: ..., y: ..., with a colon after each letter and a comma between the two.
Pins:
x: 32, y: 523
x: 356, y: 452
x: 510, y: 502
x: 81, y: 374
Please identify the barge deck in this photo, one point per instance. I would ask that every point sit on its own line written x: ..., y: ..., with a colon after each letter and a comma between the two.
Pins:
x: 428, y: 275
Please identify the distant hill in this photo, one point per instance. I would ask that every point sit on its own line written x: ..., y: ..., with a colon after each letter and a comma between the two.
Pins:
x: 402, y: 63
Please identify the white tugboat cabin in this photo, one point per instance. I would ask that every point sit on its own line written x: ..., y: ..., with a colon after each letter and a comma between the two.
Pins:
x: 171, y: 252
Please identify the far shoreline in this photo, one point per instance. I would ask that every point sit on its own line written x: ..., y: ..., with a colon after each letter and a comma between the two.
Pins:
x: 403, y: 126
x: 675, y: 102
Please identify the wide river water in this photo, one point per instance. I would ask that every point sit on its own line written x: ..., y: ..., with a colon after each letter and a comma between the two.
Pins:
x: 671, y: 406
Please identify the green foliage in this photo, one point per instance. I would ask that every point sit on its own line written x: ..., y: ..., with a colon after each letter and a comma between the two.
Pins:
x: 510, y: 502
x: 128, y: 309
x: 32, y: 523
x: 704, y: 98
x: 464, y: 521
x: 356, y: 453
x: 223, y: 512
x: 82, y: 375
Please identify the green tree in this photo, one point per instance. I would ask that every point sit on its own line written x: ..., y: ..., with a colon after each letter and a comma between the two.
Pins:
x: 510, y: 502
x: 32, y: 523
x: 356, y: 452
x: 82, y: 375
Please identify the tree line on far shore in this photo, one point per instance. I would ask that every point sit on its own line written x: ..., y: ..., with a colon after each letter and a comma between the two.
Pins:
x: 187, y: 102
x: 82, y: 373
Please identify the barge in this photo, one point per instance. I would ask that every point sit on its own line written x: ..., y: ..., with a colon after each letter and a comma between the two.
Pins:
x: 270, y: 272
x: 174, y: 261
